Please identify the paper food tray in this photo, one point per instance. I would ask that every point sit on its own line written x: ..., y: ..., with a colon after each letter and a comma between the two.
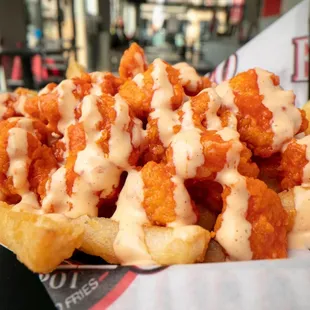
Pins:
x: 268, y: 284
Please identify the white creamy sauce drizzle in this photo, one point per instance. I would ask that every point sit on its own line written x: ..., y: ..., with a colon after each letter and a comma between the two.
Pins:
x: 138, y: 134
x: 120, y: 146
x: 26, y: 124
x: 19, y: 105
x: 139, y: 80
x: 97, y: 80
x: 228, y: 98
x: 29, y: 203
x: 161, y: 102
x: 188, y: 76
x: 213, y: 120
x: 96, y: 90
x: 17, y: 150
x: 44, y: 91
x: 95, y: 171
x: 92, y: 164
x: 306, y: 171
x: 129, y: 244
x: 66, y: 104
x: 183, y: 210
x: 286, y: 119
x: 3, y: 108
x: 299, y: 237
x: 186, y: 146
x: 235, y: 230
x: 56, y: 199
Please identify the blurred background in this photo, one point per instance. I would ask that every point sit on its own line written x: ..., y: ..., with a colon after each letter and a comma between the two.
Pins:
x: 37, y: 37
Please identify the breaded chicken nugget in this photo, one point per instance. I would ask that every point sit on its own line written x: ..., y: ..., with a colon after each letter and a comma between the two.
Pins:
x: 267, y: 117
x: 132, y: 62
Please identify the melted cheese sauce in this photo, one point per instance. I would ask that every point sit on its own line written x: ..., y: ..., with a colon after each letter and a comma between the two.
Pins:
x: 235, y: 230
x: 188, y: 76
x: 129, y: 245
x: 306, y: 171
x: 299, y: 237
x: 286, y: 119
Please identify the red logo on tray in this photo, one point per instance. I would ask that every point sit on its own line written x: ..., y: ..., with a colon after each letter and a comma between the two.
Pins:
x: 225, y: 71
x: 301, y: 59
x: 91, y: 288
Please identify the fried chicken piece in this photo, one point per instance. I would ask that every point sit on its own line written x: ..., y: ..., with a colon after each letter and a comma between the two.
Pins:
x: 139, y: 93
x: 267, y: 117
x: 269, y: 222
x: 60, y: 106
x: 132, y: 62
x: 206, y: 82
x: 199, y: 112
x: 160, y: 204
x: 13, y: 104
x: 104, y: 83
x: 190, y: 80
x: 43, y: 163
x: 214, y: 151
x: 7, y: 101
x: 32, y: 164
x: 293, y: 163
x: 268, y: 219
x: 105, y: 141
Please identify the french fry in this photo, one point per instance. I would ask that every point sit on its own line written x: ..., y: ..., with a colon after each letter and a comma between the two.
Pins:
x: 166, y: 245
x: 38, y: 241
x: 288, y: 203
x: 74, y: 69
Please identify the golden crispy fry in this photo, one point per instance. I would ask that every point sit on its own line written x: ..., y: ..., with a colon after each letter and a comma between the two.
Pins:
x: 38, y: 241
x: 288, y: 203
x: 306, y: 108
x: 99, y: 234
x: 215, y: 253
x: 167, y: 246
x: 74, y: 69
